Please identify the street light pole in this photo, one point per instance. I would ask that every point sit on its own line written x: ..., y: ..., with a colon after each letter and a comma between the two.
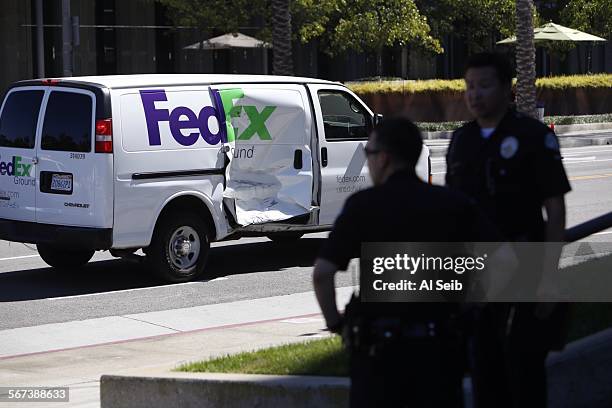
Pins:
x: 40, y: 40
x: 66, y: 38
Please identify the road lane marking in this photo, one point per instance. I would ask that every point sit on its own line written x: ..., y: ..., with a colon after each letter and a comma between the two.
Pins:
x: 19, y: 257
x: 592, y: 177
x: 565, y: 152
x: 603, y: 233
x: 586, y: 158
x: 588, y: 161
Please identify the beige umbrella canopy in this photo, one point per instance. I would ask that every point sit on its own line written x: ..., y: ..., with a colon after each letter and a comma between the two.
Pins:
x: 556, y: 32
x: 232, y: 40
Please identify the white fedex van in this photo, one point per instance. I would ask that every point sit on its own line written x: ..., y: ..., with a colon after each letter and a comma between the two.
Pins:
x: 169, y: 163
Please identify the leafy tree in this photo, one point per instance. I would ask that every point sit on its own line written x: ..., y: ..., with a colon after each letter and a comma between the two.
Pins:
x: 591, y: 16
x: 226, y: 16
x: 363, y: 25
x: 477, y: 22
x: 338, y: 25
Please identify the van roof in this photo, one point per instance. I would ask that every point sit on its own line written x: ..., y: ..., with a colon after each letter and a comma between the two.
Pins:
x: 146, y: 80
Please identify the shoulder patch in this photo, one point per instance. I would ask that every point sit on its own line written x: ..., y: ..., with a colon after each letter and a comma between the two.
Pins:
x: 551, y: 142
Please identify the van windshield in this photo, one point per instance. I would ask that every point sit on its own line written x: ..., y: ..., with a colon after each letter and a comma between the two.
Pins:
x: 19, y: 119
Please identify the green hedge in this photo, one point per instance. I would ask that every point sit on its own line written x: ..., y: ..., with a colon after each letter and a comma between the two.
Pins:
x: 446, y: 85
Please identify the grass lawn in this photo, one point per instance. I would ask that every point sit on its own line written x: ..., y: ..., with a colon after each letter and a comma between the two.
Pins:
x: 327, y: 358
x: 318, y: 357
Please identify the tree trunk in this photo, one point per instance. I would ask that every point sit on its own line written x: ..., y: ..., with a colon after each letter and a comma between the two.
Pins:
x: 525, y: 59
x: 379, y: 64
x: 282, y: 63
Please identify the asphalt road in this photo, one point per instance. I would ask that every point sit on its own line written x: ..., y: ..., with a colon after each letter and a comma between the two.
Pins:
x: 32, y: 294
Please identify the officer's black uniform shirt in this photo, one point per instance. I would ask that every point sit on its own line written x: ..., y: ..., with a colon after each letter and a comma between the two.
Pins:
x: 510, y: 173
x: 404, y: 209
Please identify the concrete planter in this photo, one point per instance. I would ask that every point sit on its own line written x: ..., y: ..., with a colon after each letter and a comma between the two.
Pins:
x: 449, y: 106
x: 170, y: 389
x: 579, y: 376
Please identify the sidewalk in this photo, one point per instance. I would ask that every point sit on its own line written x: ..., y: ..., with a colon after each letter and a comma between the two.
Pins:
x: 569, y: 136
x: 582, y: 370
x: 191, y: 334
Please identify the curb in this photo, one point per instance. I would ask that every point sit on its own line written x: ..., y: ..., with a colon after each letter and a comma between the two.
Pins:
x: 560, y: 130
x: 437, y: 148
x: 577, y: 377
x: 173, y: 389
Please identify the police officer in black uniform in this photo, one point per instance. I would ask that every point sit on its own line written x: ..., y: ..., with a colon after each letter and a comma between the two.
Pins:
x: 423, y: 365
x: 511, y: 165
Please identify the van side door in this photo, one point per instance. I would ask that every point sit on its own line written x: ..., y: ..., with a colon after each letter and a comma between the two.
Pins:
x: 270, y: 175
x: 344, y: 123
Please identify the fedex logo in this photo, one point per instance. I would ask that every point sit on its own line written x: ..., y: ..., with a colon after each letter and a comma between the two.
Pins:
x: 182, y: 118
x: 15, y: 168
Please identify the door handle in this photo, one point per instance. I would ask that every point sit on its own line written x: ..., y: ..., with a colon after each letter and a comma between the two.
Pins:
x: 35, y: 160
x: 297, y: 159
x: 324, y: 156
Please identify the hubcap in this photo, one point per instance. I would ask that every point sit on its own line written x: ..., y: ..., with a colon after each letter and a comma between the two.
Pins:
x: 184, y: 247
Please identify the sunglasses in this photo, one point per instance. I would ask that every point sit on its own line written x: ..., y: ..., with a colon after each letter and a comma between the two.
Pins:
x: 369, y: 152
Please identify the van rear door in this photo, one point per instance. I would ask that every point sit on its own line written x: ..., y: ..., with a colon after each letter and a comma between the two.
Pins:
x: 19, y: 118
x: 75, y: 182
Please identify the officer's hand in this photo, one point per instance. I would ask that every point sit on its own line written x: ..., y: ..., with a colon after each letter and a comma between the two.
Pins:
x: 337, y: 326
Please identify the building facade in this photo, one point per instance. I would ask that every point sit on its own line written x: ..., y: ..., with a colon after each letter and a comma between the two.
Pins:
x: 136, y: 36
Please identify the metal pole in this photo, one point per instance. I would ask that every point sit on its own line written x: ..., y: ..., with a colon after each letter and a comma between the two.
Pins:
x: 40, y: 40
x: 66, y: 38
x: 588, y: 228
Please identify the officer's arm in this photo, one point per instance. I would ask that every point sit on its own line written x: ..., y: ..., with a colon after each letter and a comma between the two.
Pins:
x: 548, y: 290
x: 323, y: 280
x: 555, y: 218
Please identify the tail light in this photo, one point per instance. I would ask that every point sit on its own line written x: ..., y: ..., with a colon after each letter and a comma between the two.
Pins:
x: 104, y: 136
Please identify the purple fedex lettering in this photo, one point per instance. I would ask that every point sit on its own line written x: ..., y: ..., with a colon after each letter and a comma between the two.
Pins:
x: 205, y: 114
x: 176, y: 124
x: 152, y: 115
x: 180, y: 118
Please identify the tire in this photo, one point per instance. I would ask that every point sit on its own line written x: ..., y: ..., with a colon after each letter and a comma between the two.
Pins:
x: 285, y: 236
x: 62, y: 258
x: 179, y: 248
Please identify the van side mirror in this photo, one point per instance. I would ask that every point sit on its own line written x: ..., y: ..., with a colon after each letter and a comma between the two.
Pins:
x: 377, y: 118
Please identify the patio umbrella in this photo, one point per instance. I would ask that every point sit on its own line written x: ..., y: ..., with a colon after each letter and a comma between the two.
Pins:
x: 556, y: 32
x: 225, y: 41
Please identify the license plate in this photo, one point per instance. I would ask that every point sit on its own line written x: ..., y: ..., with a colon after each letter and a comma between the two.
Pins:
x: 61, y: 182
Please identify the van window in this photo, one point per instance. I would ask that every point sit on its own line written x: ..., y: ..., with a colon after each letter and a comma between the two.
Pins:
x: 68, y: 122
x: 19, y: 119
x: 343, y: 117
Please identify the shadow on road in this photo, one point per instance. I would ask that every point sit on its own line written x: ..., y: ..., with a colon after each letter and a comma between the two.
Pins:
x: 118, y: 274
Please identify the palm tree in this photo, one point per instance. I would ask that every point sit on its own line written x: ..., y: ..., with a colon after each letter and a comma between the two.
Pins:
x: 282, y: 63
x: 525, y: 59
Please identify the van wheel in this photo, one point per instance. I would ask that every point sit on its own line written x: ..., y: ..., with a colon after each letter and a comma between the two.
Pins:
x: 285, y: 236
x: 64, y: 258
x: 180, y: 247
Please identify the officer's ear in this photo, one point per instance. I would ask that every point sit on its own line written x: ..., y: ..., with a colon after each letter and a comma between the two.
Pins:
x: 386, y: 158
